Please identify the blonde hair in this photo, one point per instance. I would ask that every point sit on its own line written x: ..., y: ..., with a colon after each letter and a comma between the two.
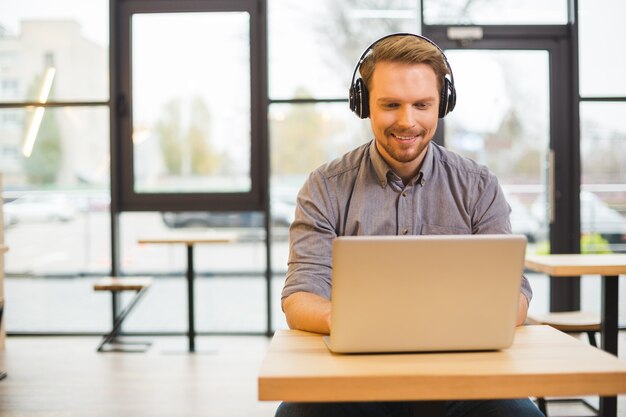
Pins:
x: 406, y: 49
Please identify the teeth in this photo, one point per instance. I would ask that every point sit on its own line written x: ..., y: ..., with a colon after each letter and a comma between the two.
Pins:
x: 404, y: 137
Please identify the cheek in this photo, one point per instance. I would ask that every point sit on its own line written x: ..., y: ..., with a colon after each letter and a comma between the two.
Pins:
x: 431, y: 120
x: 380, y: 122
x: 375, y: 124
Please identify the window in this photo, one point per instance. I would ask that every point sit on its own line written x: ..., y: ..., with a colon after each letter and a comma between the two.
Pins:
x: 601, y: 58
x: 55, y: 159
x: 9, y: 89
x: 495, y: 12
x: 602, y: 137
x: 191, y: 106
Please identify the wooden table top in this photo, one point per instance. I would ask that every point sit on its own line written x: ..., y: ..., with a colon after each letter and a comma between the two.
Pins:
x: 122, y: 283
x: 191, y: 238
x: 572, y: 264
x: 541, y: 362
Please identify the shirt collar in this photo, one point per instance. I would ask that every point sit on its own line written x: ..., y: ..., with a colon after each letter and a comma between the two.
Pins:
x: 380, y: 166
x: 426, y: 170
x: 383, y: 170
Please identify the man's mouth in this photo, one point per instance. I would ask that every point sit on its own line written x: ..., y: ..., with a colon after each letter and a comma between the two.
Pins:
x: 405, y: 137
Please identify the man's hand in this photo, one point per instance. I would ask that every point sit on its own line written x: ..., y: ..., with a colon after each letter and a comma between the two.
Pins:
x: 522, y: 310
x: 307, y: 311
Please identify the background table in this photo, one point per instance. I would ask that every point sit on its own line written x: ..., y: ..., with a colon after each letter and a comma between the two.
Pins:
x: 609, y: 266
x: 190, y: 240
x: 541, y: 362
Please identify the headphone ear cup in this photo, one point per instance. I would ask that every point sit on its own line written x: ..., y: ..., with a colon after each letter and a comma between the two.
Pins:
x: 356, y: 97
x: 443, y: 98
x: 448, y: 98
x: 451, y: 97
x: 364, y: 100
x: 359, y: 99
x: 352, y: 99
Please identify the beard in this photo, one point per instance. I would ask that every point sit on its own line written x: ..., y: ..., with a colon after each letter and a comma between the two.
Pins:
x: 401, y: 152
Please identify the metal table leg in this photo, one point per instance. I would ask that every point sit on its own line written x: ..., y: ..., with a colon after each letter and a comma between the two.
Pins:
x: 610, y: 290
x: 190, y: 298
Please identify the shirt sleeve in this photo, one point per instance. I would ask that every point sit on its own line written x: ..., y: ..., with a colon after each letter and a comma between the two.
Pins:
x: 311, y: 235
x: 491, y: 215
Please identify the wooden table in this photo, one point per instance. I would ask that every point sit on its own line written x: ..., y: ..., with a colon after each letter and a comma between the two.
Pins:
x: 609, y: 266
x: 542, y: 362
x: 190, y: 240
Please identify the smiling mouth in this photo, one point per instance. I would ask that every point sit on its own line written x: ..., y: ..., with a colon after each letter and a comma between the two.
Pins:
x: 405, y: 138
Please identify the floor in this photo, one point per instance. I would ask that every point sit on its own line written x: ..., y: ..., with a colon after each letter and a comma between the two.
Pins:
x: 66, y: 377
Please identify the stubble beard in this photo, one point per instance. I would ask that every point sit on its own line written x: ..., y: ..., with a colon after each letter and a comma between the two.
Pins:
x: 408, y: 153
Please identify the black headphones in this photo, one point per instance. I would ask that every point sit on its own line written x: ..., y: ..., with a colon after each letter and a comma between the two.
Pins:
x: 359, y: 96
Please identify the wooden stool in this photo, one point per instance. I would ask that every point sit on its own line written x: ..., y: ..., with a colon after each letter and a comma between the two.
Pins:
x: 117, y: 285
x: 569, y: 322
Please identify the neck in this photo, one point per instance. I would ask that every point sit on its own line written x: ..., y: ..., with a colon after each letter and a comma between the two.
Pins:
x: 406, y: 170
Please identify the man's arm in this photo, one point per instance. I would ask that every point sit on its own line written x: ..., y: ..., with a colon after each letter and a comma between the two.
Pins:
x: 522, y: 310
x: 307, y: 311
x: 491, y: 215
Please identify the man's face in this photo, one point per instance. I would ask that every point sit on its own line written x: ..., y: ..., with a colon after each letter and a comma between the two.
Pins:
x: 404, y: 109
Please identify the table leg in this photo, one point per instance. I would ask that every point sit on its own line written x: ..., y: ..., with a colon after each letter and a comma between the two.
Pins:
x: 115, y: 308
x: 610, y: 290
x: 190, y: 298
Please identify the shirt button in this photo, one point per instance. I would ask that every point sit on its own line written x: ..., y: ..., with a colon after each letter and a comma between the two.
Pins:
x: 405, y: 231
x: 404, y: 194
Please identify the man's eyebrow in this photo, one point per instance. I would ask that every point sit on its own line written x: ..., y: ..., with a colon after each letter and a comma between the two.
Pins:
x: 392, y: 99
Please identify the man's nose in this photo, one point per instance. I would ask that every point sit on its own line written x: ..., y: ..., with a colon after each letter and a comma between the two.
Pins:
x: 406, y: 117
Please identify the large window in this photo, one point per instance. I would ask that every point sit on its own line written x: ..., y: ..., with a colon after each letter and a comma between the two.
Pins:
x: 54, y: 156
x: 191, y: 106
x: 502, y: 120
x: 602, y: 137
x: 192, y: 133
x: 193, y: 117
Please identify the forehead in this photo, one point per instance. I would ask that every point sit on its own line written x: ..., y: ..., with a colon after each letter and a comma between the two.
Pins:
x: 398, y: 77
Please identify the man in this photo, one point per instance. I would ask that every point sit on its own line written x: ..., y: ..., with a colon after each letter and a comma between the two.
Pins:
x: 400, y: 183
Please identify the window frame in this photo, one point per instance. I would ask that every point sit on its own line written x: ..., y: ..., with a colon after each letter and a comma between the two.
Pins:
x: 124, y: 197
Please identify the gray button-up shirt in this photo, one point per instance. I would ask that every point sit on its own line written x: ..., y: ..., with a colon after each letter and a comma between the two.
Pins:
x: 359, y: 194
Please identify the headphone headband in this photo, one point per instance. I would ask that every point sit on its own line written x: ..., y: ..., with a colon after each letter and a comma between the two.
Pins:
x: 359, y: 94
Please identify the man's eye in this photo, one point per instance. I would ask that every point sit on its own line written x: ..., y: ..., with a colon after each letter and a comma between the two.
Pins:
x: 421, y: 105
x: 390, y: 105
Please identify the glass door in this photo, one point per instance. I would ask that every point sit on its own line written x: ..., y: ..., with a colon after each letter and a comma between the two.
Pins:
x: 502, y: 120
x: 513, y: 114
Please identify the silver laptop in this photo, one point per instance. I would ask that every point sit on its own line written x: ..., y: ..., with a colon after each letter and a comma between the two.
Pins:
x: 425, y: 293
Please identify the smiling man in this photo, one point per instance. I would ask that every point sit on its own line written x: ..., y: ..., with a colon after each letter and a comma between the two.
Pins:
x: 403, y: 114
x: 397, y: 184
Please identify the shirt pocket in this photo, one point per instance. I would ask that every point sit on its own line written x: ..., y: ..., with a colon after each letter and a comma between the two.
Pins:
x: 435, y: 229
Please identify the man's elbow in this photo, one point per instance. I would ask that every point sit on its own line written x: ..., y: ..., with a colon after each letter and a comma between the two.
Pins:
x: 522, y: 310
x: 287, y: 304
